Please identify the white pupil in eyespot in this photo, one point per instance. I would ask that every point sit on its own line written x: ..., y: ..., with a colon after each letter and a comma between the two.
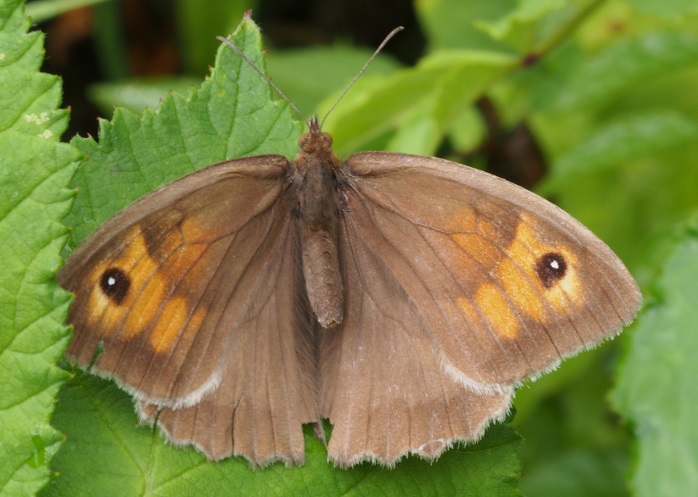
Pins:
x: 111, y: 281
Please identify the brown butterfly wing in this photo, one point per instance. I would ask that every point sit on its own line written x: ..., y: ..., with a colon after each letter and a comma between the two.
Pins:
x: 381, y: 379
x: 178, y: 290
x: 265, y: 393
x: 454, y: 278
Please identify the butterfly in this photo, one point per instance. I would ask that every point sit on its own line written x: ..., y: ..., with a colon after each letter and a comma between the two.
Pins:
x: 402, y: 297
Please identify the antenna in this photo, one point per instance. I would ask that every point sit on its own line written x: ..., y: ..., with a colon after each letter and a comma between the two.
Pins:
x: 363, y: 69
x: 283, y: 95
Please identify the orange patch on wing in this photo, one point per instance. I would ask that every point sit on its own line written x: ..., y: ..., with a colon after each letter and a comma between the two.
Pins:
x: 173, y: 321
x: 171, y: 242
x: 517, y: 274
x: 517, y: 285
x: 489, y: 230
x: 478, y: 238
x: 481, y: 243
x: 149, y: 288
x: 152, y: 281
x: 193, y: 231
x: 183, y: 259
x: 135, y: 262
x: 497, y: 311
x: 97, y: 302
x: 479, y: 249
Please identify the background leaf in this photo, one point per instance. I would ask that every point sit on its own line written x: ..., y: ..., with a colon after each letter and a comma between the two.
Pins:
x: 200, y: 21
x: 453, y: 23
x: 141, y: 464
x: 658, y: 375
x: 431, y: 94
x: 230, y: 116
x: 623, y: 64
x: 34, y: 169
x: 295, y: 72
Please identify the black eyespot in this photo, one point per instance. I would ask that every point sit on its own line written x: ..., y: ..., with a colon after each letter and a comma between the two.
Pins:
x: 115, y: 284
x: 551, y: 268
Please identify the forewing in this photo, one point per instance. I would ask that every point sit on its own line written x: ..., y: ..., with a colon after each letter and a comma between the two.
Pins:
x: 162, y: 287
x: 503, y: 282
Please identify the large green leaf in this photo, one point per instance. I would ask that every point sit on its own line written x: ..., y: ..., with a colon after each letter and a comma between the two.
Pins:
x: 521, y: 27
x: 412, y: 110
x: 620, y: 141
x: 657, y: 389
x: 452, y: 23
x: 606, y: 75
x: 231, y: 114
x: 34, y: 169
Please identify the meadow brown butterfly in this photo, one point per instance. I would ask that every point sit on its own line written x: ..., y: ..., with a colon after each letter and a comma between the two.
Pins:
x: 402, y: 297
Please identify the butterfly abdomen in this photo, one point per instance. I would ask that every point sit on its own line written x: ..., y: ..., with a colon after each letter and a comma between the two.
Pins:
x: 316, y: 189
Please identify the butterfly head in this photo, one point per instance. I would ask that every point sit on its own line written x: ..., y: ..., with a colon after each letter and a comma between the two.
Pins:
x: 315, y: 139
